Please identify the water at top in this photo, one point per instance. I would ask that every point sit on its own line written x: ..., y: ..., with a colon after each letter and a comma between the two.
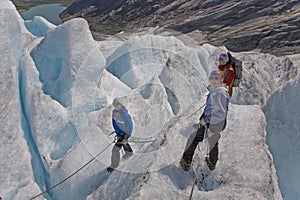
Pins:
x: 48, y: 11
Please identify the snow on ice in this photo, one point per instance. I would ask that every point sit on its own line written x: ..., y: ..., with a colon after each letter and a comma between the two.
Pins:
x: 38, y: 26
x: 57, y: 85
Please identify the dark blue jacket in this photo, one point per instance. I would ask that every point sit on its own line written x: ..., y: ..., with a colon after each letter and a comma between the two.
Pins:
x: 121, y: 121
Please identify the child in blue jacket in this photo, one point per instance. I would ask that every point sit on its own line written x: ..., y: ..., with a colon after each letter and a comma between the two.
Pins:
x: 122, y: 123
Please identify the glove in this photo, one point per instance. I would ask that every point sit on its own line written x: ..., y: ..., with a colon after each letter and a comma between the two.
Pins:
x: 236, y: 82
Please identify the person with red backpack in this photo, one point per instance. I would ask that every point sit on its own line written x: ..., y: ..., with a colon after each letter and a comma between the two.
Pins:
x: 231, y: 70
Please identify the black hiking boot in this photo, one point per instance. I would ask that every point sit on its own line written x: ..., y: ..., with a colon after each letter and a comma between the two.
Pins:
x: 110, y: 169
x: 185, y: 165
x: 210, y: 165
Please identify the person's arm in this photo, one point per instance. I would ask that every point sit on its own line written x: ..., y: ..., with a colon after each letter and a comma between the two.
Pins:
x: 222, y: 104
x: 207, y: 110
x: 118, y: 130
x: 113, y: 121
x: 127, y: 126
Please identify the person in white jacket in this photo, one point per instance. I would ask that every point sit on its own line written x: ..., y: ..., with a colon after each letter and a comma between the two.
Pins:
x: 213, y: 120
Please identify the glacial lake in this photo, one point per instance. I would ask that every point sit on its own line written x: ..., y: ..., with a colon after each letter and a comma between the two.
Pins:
x: 48, y: 11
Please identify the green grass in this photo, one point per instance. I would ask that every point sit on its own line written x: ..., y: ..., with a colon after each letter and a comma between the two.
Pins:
x: 23, y: 5
x: 99, y: 25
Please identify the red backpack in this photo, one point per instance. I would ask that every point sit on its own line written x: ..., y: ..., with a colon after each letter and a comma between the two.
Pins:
x: 238, y: 68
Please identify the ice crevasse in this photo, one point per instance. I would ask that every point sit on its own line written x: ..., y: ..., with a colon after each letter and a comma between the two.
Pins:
x: 57, y: 87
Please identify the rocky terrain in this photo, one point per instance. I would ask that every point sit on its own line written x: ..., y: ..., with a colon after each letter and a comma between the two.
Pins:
x: 241, y: 25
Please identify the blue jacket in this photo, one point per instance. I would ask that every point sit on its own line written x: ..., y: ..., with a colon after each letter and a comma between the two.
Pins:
x: 217, y: 102
x: 121, y: 121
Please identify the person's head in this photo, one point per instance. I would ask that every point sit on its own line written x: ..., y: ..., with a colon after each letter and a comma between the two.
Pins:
x: 117, y: 104
x: 223, y: 59
x: 215, y: 78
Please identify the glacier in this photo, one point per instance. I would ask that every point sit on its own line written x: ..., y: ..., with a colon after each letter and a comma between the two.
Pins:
x: 57, y: 87
x: 283, y: 137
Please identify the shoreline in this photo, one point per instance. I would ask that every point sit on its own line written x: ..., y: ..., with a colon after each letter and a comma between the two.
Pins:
x: 23, y: 6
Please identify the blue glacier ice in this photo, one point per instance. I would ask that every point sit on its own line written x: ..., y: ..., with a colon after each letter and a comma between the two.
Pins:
x: 57, y: 86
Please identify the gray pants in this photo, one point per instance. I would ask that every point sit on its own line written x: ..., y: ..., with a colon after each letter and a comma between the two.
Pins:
x: 115, y: 156
x: 213, y: 135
